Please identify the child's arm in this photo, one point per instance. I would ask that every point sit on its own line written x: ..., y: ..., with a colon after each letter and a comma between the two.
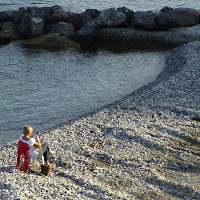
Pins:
x: 37, y: 143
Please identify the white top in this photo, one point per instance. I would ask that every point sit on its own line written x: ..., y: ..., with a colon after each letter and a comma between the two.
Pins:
x: 32, y: 152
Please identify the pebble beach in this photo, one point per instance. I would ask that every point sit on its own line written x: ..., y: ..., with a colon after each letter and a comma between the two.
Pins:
x: 145, y: 146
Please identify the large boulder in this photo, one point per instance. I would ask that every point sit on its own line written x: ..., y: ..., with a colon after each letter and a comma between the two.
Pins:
x: 63, y: 28
x: 78, y: 20
x: 86, y: 34
x: 122, y: 39
x: 59, y: 15
x: 18, y: 15
x: 111, y: 18
x: 9, y: 32
x: 54, y: 8
x: 7, y: 16
x: 11, y: 16
x: 52, y: 42
x: 143, y: 20
x: 127, y: 12
x: 93, y: 13
x: 31, y: 26
x: 175, y: 18
x: 42, y: 12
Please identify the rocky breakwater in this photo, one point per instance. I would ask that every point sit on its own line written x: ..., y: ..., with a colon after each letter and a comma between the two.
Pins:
x: 118, y: 29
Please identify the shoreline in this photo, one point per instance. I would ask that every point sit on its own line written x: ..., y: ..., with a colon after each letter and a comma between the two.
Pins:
x: 143, y: 146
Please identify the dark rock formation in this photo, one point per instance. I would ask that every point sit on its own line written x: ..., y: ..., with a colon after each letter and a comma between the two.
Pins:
x: 111, y: 18
x: 120, y: 29
x: 18, y: 15
x: 59, y: 15
x: 54, y: 8
x: 127, y: 12
x: 122, y: 39
x: 143, y: 20
x: 78, y: 20
x: 7, y: 16
x: 166, y: 9
x: 31, y: 26
x: 9, y: 32
x: 11, y: 16
x: 22, y: 9
x: 86, y: 34
x: 52, y: 42
x: 63, y: 28
x: 92, y: 13
x: 175, y: 18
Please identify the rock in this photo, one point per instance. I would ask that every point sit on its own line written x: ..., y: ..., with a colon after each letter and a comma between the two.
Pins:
x: 90, y: 28
x: 78, y: 20
x: 103, y: 159
x: 64, y: 29
x: 31, y: 26
x: 59, y: 15
x: 111, y: 18
x: 196, y: 118
x: 54, y: 8
x: 93, y: 13
x: 18, y: 15
x: 52, y: 42
x: 42, y: 12
x: 166, y: 9
x: 9, y: 32
x: 124, y: 10
x: 22, y: 9
x: 128, y: 38
x: 175, y: 18
x: 86, y: 34
x: 6, y: 16
x: 143, y: 20
x: 127, y: 12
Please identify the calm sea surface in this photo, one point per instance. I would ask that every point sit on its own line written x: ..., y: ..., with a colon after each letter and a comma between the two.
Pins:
x: 77, y: 5
x: 45, y: 89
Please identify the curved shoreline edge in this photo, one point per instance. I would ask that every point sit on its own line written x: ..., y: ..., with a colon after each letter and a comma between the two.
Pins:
x: 144, y: 146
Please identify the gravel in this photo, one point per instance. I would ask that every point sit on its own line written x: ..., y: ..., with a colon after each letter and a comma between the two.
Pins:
x: 145, y: 146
